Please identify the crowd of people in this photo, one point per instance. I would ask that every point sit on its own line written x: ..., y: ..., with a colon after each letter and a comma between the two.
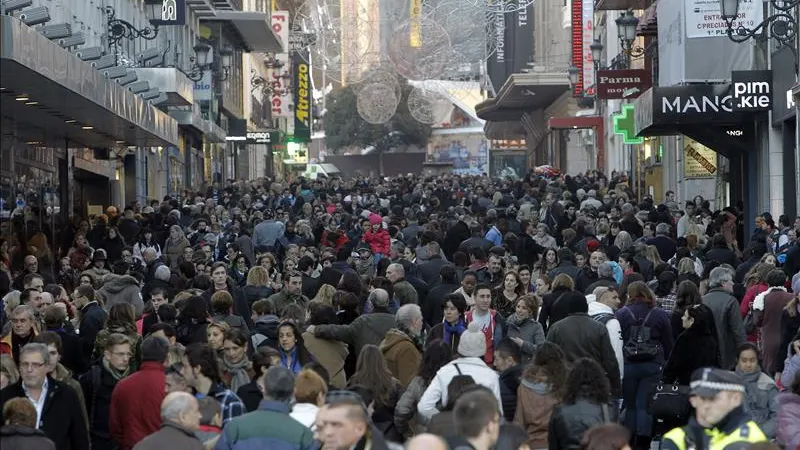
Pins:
x: 551, y: 312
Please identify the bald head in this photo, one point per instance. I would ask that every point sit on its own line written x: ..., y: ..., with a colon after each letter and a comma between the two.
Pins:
x: 181, y: 408
x: 426, y: 441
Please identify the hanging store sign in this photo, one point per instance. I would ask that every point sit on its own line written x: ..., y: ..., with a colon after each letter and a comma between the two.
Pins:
x: 281, y: 98
x: 704, y: 17
x: 699, y: 161
x: 513, y: 36
x: 752, y: 90
x: 261, y: 137
x: 618, y: 84
x: 303, y: 90
x: 173, y: 12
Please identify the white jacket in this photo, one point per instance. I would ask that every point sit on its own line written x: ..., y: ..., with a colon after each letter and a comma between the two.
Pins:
x: 305, y: 413
x: 614, y: 331
x: 437, y: 390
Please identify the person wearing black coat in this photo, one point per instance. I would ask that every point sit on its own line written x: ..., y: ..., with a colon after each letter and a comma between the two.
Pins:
x: 97, y: 385
x: 21, y: 437
x: 545, y: 314
x: 507, y: 361
x: 62, y: 418
x: 694, y: 348
x: 432, y: 308
x: 93, y: 317
x: 455, y: 235
x: 240, y: 306
x: 720, y: 252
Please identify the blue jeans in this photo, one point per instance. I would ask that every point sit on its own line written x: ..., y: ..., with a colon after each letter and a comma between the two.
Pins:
x: 638, y: 382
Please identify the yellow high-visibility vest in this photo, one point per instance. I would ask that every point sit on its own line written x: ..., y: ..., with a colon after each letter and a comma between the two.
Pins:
x: 747, y: 433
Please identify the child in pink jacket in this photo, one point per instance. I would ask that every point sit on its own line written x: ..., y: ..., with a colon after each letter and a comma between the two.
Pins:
x: 377, y: 238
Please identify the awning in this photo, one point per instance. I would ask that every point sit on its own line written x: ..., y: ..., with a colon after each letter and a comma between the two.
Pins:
x: 188, y: 118
x: 621, y: 5
x: 255, y: 29
x: 523, y: 92
x: 67, y: 99
x: 648, y: 23
x: 169, y: 80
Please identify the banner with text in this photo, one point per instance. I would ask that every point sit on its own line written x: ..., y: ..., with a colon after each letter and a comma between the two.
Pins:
x: 513, y: 33
x: 303, y: 91
x: 281, y: 98
x: 704, y: 17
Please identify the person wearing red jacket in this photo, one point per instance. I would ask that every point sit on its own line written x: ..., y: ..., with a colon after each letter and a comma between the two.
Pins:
x: 136, y: 400
x: 377, y: 237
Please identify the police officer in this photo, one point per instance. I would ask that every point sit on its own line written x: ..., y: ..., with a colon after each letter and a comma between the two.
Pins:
x: 720, y: 420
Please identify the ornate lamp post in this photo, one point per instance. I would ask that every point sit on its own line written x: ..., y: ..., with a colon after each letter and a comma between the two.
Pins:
x: 626, y: 32
x: 780, y: 26
x: 119, y: 29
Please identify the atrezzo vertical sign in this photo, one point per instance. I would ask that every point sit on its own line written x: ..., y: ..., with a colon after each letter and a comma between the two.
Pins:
x: 577, y: 43
x: 302, y: 98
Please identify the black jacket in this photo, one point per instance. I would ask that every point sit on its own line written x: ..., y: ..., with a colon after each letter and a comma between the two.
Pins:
x: 429, y: 270
x: 722, y: 255
x: 240, y: 306
x: 457, y: 234
x: 94, y: 319
x: 579, y: 336
x: 62, y: 416
x: 311, y: 286
x: 97, y: 385
x: 432, y: 308
x: 509, y: 382
x: 253, y: 294
x: 586, y: 278
x: 568, y: 268
x: 19, y: 437
x: 692, y: 350
x: 546, y: 313
x: 569, y: 422
x: 72, y: 352
x: 250, y: 395
x: 191, y: 331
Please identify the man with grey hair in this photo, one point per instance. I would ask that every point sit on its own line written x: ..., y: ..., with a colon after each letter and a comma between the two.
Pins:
x: 663, y: 242
x: 605, y: 278
x: 23, y: 320
x: 58, y: 409
x: 591, y: 200
x: 180, y: 418
x: 404, y: 292
x: 400, y: 348
x: 727, y: 318
x: 270, y: 426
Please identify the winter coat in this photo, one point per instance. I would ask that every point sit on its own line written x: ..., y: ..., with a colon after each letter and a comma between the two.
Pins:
x: 761, y: 401
x: 72, y: 353
x: 331, y: 355
x: 250, y: 395
x: 405, y: 293
x: 612, y: 326
x: 437, y: 389
x: 268, y: 427
x: 364, y: 330
x: 93, y: 319
x: 789, y: 420
x: 20, y: 437
x: 730, y: 328
x: 569, y: 422
x: 548, y: 301
x: 133, y: 415
x: 432, y: 309
x: 406, y: 419
x: 660, y: 328
x: 379, y: 241
x: 62, y: 417
x: 254, y: 293
x: 509, y: 384
x: 790, y: 327
x: 581, y: 337
x: 265, y: 332
x: 529, y: 330
x: 173, y: 251
x: 190, y: 331
x: 64, y: 375
x: 535, y: 403
x: 283, y: 299
x: 240, y: 306
x: 234, y: 321
x: 97, y: 386
x: 401, y: 355
x: 692, y: 351
x: 122, y: 289
x: 768, y: 309
x: 791, y: 367
x: 171, y: 436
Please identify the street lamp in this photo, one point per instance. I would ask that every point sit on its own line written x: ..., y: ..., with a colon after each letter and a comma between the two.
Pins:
x: 574, y: 74
x: 119, y: 29
x: 200, y: 62
x: 627, y: 24
x: 781, y: 26
x: 597, y: 52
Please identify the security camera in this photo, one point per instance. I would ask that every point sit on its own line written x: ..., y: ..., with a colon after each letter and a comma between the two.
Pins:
x: 89, y: 53
x: 33, y: 16
x: 148, y: 54
x: 15, y: 5
x: 129, y: 78
x: 56, y: 31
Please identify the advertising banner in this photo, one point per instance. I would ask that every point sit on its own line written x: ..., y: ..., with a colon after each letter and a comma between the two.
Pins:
x: 618, y: 84
x: 577, y: 43
x: 513, y: 33
x: 704, y: 17
x: 173, y: 12
x: 281, y: 98
x: 303, y: 91
x: 587, y: 37
x: 280, y: 25
x: 699, y: 161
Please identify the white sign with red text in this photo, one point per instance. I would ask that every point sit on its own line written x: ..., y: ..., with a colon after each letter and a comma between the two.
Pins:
x: 588, y: 38
x: 279, y: 76
x: 704, y: 17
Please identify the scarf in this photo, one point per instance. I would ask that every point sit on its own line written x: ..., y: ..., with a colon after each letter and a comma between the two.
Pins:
x: 456, y: 329
x: 114, y: 372
x: 295, y: 367
x: 238, y: 371
x: 365, y: 267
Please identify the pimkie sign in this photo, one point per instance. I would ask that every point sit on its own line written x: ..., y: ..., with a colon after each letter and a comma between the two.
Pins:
x: 619, y: 84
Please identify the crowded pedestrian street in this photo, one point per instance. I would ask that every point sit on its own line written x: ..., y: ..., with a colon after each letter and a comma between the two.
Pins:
x: 399, y: 225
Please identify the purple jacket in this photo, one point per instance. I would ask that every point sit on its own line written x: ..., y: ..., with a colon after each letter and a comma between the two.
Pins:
x: 790, y: 368
x: 789, y: 420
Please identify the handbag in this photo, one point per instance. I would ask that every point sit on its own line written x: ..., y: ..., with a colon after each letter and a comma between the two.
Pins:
x: 669, y: 402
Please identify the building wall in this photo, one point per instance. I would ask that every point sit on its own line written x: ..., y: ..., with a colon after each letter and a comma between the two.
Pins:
x: 394, y: 164
x: 551, y: 40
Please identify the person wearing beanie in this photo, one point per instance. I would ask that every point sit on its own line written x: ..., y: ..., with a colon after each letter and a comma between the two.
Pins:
x: 580, y: 336
x: 471, y: 349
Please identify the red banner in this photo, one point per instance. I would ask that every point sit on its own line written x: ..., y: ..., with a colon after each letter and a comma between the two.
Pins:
x: 577, y: 44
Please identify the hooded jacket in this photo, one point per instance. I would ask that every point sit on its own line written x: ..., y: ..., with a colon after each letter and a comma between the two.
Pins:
x: 401, y: 355
x: 122, y: 289
x: 535, y: 403
x: 265, y: 331
x: 761, y: 401
x: 789, y: 420
x: 332, y: 356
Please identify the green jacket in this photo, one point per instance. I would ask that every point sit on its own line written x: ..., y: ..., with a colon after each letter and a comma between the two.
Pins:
x: 283, y: 299
x: 270, y: 426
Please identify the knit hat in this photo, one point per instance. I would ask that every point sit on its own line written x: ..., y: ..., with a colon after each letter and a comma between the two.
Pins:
x: 375, y: 219
x: 473, y: 341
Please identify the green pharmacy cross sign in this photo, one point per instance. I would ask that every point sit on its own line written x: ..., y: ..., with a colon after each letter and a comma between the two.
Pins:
x: 624, y: 125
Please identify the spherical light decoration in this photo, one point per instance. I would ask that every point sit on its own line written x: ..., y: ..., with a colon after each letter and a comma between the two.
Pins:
x: 426, y: 105
x: 423, y: 60
x: 381, y: 76
x: 376, y: 103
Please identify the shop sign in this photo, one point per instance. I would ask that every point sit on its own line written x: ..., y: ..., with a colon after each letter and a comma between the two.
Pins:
x: 173, y: 12
x: 625, y: 125
x: 204, y: 88
x: 752, y: 90
x: 302, y: 99
x: 259, y: 137
x: 704, y: 17
x: 512, y: 38
x: 618, y: 84
x: 699, y: 161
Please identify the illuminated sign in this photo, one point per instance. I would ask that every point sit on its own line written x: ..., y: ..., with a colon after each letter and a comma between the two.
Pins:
x: 302, y: 99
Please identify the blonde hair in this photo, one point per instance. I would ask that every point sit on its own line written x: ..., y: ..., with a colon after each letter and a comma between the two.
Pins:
x: 563, y: 280
x: 8, y: 367
x: 257, y: 276
x: 224, y: 326
x: 325, y: 294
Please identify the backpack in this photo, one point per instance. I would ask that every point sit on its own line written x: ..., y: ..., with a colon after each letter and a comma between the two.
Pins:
x: 603, y: 318
x: 639, y: 347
